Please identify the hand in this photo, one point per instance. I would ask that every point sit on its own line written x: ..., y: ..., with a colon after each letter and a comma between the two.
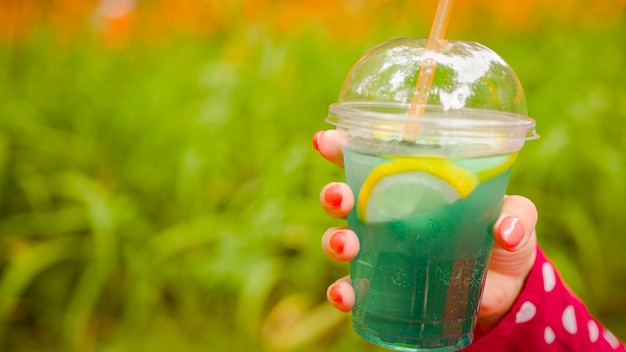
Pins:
x: 511, y: 260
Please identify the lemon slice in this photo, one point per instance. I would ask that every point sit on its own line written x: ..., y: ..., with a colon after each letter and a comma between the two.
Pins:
x: 486, y: 168
x: 408, y: 186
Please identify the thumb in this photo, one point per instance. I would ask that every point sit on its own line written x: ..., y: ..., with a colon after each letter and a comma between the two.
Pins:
x: 515, y: 237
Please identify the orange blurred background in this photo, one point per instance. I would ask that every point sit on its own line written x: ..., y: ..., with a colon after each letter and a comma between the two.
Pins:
x: 116, y: 21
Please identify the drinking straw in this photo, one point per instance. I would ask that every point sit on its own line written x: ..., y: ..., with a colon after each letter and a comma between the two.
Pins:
x: 427, y: 71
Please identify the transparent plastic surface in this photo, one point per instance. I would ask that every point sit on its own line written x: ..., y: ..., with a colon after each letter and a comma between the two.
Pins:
x: 467, y: 75
x: 475, y: 98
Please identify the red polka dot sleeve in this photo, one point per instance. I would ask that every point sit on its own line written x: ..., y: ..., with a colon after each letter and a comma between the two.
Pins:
x: 547, y: 317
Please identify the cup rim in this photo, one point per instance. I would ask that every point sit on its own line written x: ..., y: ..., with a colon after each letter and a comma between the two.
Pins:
x: 462, y: 121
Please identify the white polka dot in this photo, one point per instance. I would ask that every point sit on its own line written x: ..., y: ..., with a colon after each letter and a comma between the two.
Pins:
x: 548, y: 335
x: 526, y: 312
x: 611, y: 339
x: 569, y: 320
x: 549, y: 278
x: 594, y: 333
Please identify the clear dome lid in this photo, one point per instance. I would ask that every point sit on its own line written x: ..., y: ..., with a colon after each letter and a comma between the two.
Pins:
x: 467, y: 75
x: 475, y: 96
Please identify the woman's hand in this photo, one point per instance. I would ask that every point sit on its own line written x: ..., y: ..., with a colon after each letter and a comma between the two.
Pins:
x: 511, y: 260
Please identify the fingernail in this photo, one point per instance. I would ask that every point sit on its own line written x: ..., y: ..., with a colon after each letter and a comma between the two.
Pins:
x: 335, y: 295
x: 316, y: 138
x: 333, y: 197
x: 512, y: 231
x: 338, y: 241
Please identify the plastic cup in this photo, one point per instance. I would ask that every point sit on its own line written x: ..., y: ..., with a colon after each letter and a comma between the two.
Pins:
x: 429, y: 189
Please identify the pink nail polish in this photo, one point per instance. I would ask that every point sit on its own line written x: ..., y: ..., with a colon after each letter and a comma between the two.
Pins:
x: 512, y: 231
x: 335, y: 295
x: 316, y: 138
x: 338, y: 241
x: 333, y: 197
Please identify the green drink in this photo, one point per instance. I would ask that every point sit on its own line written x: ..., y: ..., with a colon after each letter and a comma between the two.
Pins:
x: 420, y: 274
x: 428, y: 189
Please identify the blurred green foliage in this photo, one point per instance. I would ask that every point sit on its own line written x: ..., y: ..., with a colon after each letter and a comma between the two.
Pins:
x: 164, y: 197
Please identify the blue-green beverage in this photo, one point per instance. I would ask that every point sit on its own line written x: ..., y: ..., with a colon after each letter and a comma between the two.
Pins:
x: 419, y: 275
x: 427, y: 188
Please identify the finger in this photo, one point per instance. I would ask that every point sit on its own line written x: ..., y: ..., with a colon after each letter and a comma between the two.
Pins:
x: 340, y: 244
x: 328, y: 144
x: 515, y: 238
x: 516, y: 223
x: 341, y: 295
x: 337, y: 199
